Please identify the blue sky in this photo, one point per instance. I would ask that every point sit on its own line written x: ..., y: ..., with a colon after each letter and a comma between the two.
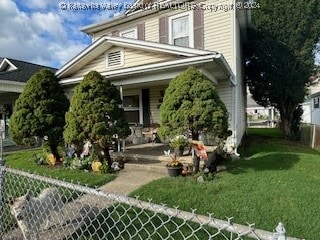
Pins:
x: 47, y: 32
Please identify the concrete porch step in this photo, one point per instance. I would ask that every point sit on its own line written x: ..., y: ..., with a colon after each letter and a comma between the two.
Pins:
x: 158, y: 167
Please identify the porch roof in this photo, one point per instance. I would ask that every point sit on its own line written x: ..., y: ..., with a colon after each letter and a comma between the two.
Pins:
x: 212, y: 64
x: 15, y: 73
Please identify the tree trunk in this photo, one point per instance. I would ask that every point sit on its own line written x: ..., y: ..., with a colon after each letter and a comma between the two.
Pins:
x: 286, y: 127
x: 55, y: 152
x: 196, y: 163
x: 290, y: 120
x: 102, y: 157
x: 108, y: 157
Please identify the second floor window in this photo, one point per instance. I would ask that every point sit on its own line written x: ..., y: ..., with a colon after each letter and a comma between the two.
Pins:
x: 181, y: 30
x: 129, y: 33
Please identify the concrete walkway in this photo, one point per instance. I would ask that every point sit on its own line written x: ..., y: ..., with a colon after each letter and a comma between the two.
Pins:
x: 129, y: 180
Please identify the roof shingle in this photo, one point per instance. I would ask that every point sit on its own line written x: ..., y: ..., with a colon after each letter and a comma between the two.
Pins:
x: 23, y: 72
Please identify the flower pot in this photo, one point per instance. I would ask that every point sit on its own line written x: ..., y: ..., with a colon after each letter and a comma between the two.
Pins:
x: 174, y: 171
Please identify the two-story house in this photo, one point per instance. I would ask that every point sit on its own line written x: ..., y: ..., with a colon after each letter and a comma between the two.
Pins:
x: 142, y: 50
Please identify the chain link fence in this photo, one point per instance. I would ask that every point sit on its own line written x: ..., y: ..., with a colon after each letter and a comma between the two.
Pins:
x: 37, y: 207
x: 310, y: 135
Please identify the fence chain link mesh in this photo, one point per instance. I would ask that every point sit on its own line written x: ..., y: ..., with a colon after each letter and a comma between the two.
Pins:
x: 38, y: 207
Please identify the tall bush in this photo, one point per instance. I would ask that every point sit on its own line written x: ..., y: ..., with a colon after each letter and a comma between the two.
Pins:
x: 95, y: 115
x: 40, y: 111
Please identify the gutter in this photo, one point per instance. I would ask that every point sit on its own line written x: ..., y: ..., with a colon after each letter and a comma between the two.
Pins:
x: 78, y: 57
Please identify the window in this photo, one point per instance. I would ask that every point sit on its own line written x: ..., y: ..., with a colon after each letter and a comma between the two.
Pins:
x: 316, y: 102
x: 132, y: 108
x: 129, y: 33
x: 114, y: 58
x: 181, y: 30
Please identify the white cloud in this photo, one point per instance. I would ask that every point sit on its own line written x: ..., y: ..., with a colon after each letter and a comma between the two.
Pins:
x: 39, y: 31
x: 50, y: 23
x: 39, y: 37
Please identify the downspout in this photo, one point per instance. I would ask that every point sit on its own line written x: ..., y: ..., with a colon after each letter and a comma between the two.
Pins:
x: 235, y: 79
x: 235, y: 114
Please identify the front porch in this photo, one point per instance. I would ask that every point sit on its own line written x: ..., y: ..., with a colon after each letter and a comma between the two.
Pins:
x: 151, y: 156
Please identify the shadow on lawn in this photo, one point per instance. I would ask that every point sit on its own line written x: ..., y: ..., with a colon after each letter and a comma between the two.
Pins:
x: 267, y: 162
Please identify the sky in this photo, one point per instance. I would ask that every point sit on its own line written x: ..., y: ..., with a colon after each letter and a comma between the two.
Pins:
x: 46, y: 32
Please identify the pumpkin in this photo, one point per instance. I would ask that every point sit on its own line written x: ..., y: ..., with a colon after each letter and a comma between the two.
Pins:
x: 96, y: 166
x: 51, y: 159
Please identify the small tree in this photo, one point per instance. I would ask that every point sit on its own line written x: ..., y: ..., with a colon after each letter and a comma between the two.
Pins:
x: 39, y: 111
x: 191, y: 103
x: 95, y: 115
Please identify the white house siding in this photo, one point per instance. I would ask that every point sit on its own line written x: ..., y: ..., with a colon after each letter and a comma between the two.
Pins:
x: 218, y: 31
x: 217, y: 28
x: 152, y: 29
x: 306, y: 116
x: 241, y: 90
x: 155, y: 102
x: 132, y: 58
x: 315, y: 110
x: 98, y: 64
x: 225, y: 92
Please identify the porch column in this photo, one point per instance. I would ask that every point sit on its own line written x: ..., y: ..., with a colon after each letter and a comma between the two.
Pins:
x: 121, y: 97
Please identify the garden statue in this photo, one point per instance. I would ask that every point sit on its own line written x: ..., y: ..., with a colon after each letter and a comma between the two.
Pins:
x: 86, y: 149
x: 198, y: 152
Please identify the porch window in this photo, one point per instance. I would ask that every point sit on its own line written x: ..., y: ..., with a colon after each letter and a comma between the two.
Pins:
x: 129, y: 33
x: 181, y: 30
x: 132, y: 108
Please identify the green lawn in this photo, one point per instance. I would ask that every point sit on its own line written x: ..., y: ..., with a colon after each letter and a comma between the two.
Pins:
x: 275, y: 180
x: 24, y: 160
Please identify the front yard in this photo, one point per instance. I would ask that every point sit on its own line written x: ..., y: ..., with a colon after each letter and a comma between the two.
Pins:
x: 25, y: 160
x: 275, y: 181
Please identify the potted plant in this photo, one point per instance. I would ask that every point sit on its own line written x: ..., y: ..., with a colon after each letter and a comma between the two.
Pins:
x: 174, y: 166
x: 179, y: 142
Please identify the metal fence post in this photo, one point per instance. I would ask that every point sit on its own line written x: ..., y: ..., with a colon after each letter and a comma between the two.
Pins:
x: 2, y: 171
x: 280, y: 233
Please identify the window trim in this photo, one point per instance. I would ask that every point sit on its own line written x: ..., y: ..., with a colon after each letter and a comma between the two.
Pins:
x: 140, y: 109
x: 191, y: 31
x: 121, y: 57
x: 135, y: 29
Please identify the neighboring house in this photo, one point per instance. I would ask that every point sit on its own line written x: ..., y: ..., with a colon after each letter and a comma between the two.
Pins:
x: 142, y: 50
x: 13, y: 76
x: 311, y: 107
x: 259, y: 116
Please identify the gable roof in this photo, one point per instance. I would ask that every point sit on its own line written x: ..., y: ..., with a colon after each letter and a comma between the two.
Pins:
x: 106, y: 42
x: 142, y: 8
x: 19, y: 71
x: 134, y: 12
